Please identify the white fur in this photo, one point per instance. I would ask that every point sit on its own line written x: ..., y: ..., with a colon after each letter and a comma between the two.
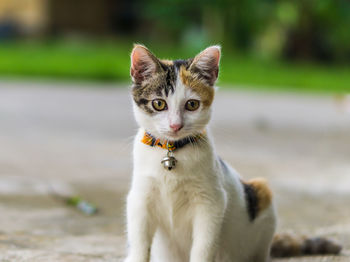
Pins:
x: 196, y: 212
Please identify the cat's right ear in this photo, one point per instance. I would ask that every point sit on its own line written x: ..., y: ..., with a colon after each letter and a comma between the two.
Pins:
x: 143, y: 64
x: 206, y: 63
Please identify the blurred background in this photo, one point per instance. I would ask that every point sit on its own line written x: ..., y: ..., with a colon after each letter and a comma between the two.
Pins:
x: 66, y: 124
x: 303, y: 44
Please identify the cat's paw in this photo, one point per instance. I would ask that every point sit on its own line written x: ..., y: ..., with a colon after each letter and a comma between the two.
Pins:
x: 129, y: 259
x: 135, y: 259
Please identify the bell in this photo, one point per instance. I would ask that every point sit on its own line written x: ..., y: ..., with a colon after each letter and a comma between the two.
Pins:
x: 169, y: 162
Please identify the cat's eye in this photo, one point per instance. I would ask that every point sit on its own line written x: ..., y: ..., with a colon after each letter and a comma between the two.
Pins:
x: 192, y: 105
x: 159, y: 104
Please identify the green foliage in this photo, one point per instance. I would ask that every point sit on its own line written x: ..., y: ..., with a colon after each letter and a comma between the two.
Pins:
x: 250, y: 72
x: 66, y: 60
x: 293, y: 29
x: 110, y: 62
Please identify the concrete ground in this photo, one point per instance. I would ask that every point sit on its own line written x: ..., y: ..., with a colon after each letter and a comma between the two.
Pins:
x: 76, y: 139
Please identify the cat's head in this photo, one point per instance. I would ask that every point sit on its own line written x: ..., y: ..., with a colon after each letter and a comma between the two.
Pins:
x: 172, y: 99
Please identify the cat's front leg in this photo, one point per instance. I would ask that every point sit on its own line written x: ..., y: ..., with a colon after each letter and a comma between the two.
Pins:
x: 207, y: 226
x: 140, y: 228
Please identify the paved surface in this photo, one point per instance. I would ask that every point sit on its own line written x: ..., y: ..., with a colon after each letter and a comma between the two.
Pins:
x: 76, y: 139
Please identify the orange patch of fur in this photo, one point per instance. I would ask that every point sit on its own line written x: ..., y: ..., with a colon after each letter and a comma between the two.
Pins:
x: 263, y: 192
x: 196, y: 84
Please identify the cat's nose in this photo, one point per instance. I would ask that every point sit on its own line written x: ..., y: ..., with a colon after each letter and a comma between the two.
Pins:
x: 176, y: 127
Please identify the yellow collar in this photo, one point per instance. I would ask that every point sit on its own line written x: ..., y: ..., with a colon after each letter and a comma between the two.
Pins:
x: 150, y: 140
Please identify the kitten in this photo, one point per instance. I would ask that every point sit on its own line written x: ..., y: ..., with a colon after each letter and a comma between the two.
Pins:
x: 186, y: 203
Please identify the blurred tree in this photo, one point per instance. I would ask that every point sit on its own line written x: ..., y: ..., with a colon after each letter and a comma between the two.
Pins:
x: 293, y: 29
x: 289, y: 29
x: 321, y: 31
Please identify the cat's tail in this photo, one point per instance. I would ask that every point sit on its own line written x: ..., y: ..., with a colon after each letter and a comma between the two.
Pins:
x: 289, y: 245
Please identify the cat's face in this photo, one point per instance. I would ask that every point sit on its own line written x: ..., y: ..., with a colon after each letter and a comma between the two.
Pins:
x: 172, y: 99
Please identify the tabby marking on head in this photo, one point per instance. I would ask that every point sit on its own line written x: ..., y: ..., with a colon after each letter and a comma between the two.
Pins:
x: 185, y: 88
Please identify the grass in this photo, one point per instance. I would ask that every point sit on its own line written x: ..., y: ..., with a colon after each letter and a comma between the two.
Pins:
x: 109, y: 61
x: 65, y: 60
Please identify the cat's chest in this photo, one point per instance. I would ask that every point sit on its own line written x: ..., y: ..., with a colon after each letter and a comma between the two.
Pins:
x: 173, y: 200
x: 185, y: 162
x: 174, y: 192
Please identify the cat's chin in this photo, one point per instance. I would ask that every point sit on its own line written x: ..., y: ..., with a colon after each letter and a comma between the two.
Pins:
x: 171, y: 136
x: 176, y: 136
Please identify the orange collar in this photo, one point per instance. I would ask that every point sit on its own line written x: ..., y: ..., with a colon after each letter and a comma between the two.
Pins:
x: 150, y: 140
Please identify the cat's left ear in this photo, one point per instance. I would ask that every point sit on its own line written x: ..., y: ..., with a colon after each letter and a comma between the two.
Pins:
x: 143, y: 64
x: 206, y: 63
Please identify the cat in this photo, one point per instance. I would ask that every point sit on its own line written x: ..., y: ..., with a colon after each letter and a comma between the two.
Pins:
x: 185, y: 202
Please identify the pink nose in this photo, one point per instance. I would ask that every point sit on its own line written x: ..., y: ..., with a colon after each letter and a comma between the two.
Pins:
x: 176, y: 127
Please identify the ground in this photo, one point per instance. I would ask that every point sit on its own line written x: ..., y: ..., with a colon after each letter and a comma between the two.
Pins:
x: 77, y: 139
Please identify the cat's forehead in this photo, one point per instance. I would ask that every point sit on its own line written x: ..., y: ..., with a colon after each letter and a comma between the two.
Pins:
x: 170, y: 79
x: 163, y: 82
